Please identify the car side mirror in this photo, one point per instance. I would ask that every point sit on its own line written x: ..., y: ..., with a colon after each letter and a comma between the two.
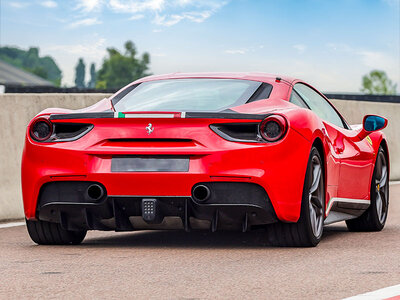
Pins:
x: 371, y: 123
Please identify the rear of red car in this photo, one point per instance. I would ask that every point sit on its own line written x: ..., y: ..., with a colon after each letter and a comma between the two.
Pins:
x: 216, y: 169
x: 184, y: 168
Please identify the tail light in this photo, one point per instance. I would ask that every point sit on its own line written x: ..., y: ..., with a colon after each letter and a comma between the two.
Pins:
x: 41, y: 129
x: 273, y: 128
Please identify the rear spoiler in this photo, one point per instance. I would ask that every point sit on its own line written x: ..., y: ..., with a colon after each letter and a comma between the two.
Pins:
x: 156, y: 115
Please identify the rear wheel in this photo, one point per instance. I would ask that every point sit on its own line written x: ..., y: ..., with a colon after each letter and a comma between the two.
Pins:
x: 46, y: 233
x: 307, y: 232
x: 374, y: 218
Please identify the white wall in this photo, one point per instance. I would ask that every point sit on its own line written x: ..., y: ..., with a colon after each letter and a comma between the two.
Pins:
x: 17, y: 109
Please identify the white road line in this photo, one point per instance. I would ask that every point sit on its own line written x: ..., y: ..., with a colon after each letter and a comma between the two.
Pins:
x: 11, y: 224
x: 384, y: 293
x: 394, y: 182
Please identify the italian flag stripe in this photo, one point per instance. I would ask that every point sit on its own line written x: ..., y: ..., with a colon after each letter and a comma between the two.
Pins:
x: 121, y: 115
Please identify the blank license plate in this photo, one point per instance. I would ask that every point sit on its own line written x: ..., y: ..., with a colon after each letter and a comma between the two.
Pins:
x: 150, y: 164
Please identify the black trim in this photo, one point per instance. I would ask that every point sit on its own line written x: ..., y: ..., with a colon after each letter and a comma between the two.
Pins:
x: 263, y: 92
x: 78, y: 116
x: 220, y: 115
x: 122, y: 94
x: 60, y: 136
x: 189, y: 115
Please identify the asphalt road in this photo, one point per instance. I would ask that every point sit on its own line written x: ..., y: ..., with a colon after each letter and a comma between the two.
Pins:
x: 179, y: 265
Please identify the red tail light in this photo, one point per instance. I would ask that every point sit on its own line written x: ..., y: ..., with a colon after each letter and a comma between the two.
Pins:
x: 41, y: 129
x: 273, y: 128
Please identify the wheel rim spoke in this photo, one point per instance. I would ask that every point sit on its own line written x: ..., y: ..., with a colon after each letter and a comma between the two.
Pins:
x: 313, y: 219
x: 382, y: 213
x: 383, y: 180
x: 316, y: 204
x: 316, y: 197
x: 384, y: 203
x: 316, y: 178
x: 379, y: 204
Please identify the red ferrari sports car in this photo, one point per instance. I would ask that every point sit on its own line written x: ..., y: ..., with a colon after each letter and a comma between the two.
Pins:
x: 233, y: 151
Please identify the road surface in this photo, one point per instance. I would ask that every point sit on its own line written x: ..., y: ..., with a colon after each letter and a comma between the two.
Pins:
x: 179, y: 265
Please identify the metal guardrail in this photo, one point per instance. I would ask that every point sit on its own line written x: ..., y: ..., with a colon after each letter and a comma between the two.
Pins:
x: 53, y: 89
x: 369, y: 98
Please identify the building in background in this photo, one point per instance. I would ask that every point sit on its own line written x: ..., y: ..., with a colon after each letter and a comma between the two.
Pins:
x: 11, y: 77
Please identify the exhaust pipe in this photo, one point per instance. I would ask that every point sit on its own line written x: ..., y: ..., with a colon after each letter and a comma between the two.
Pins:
x: 201, y: 193
x: 95, y: 192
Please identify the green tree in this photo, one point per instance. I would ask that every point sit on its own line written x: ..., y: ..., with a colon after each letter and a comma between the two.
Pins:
x: 80, y: 74
x: 93, y: 77
x: 30, y: 61
x: 119, y: 69
x: 40, y: 71
x: 377, y: 82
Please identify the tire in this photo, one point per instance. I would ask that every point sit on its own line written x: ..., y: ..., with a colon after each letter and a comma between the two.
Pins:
x: 374, y: 218
x: 46, y: 233
x: 307, y: 232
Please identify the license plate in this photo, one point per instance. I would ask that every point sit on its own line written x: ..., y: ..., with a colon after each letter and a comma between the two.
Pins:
x: 150, y: 164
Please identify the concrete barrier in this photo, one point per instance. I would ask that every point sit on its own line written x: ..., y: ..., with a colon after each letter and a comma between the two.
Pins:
x: 15, y: 112
x: 17, y: 109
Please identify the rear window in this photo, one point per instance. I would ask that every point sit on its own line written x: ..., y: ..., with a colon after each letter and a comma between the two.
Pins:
x: 190, y: 95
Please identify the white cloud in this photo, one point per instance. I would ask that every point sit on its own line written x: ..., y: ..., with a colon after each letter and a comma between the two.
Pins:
x: 392, y: 3
x: 135, y: 6
x: 193, y: 16
x: 300, y: 48
x: 18, y: 4
x: 205, y: 9
x: 236, y: 51
x: 167, y: 20
x: 244, y: 50
x: 136, y: 17
x: 84, y: 22
x: 88, y: 49
x: 162, y: 12
x: 88, y: 6
x: 49, y: 4
x: 67, y: 55
x: 370, y: 59
x: 199, y: 16
x: 340, y: 47
x: 377, y: 60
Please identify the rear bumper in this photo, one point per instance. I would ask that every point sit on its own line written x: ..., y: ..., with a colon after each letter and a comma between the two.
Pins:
x: 231, y: 206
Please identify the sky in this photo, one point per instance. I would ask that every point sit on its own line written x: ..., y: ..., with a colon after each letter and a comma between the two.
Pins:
x: 329, y: 43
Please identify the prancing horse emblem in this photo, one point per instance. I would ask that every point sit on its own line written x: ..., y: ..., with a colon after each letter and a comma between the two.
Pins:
x: 150, y: 128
